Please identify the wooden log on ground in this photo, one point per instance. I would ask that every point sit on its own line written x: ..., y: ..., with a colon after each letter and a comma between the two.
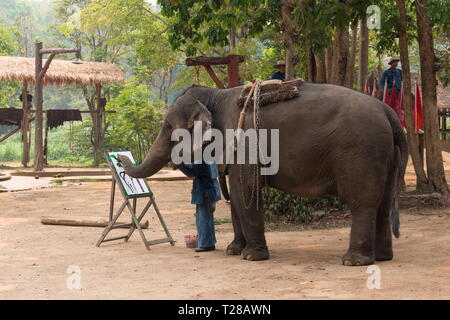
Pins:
x: 83, y: 222
x: 409, y: 200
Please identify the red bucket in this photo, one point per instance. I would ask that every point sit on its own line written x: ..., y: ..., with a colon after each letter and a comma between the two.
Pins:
x: 191, y: 241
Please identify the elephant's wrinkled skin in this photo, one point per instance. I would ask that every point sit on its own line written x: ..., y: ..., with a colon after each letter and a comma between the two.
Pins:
x: 333, y: 141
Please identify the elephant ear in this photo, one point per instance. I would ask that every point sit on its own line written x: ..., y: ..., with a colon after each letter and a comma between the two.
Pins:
x: 200, y: 113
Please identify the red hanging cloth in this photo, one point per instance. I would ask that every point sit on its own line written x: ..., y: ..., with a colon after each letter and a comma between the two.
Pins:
x: 401, y: 108
x: 386, y: 97
x: 418, y: 113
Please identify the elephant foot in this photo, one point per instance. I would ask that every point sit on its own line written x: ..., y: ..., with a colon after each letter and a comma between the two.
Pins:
x: 235, y: 248
x: 255, y: 253
x: 384, y: 255
x: 352, y: 258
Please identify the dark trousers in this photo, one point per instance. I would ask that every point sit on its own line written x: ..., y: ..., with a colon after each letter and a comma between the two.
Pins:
x: 204, y: 219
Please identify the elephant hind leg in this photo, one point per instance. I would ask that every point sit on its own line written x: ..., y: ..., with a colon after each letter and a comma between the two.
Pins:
x: 362, y: 238
x: 363, y: 189
x: 383, y: 236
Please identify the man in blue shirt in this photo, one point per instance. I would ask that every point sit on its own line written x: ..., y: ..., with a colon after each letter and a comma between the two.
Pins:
x: 280, y: 74
x: 205, y: 193
x: 392, y: 75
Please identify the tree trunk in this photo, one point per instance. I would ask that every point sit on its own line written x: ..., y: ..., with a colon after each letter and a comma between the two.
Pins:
x: 98, y: 129
x: 350, y: 76
x: 25, y: 126
x: 288, y: 38
x: 311, y: 63
x: 232, y: 39
x: 435, y: 166
x: 329, y: 61
x: 363, y: 54
x: 97, y: 126
x: 38, y: 102
x: 413, y: 138
x: 321, y: 70
x: 340, y: 56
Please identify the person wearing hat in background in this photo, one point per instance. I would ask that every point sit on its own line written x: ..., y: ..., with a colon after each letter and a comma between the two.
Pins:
x: 280, y: 74
x: 391, y: 76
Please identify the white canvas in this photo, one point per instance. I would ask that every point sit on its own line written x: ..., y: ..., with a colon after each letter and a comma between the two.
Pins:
x: 131, y: 185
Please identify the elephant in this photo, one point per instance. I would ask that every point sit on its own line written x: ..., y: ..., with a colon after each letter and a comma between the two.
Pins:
x: 333, y: 141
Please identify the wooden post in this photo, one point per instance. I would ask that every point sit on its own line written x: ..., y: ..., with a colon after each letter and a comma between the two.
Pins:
x: 233, y: 71
x: 38, y: 102
x: 25, y: 125
x: 46, y: 144
x: 40, y: 71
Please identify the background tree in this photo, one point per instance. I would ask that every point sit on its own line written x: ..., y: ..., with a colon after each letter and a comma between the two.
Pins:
x: 435, y: 165
x: 413, y: 138
x: 137, y: 120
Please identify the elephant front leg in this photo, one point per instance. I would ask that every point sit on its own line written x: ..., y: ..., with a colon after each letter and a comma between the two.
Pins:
x: 362, y: 238
x: 250, y: 219
x: 239, y: 243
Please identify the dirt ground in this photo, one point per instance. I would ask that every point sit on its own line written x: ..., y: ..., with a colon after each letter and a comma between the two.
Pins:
x: 34, y: 258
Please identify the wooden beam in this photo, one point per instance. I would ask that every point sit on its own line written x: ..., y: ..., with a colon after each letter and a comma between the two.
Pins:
x: 12, y: 132
x: 213, y: 76
x: 46, y: 66
x: 9, y: 134
x: 58, y: 50
x: 203, y: 61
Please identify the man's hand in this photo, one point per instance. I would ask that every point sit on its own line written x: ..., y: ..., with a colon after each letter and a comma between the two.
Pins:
x: 173, y: 165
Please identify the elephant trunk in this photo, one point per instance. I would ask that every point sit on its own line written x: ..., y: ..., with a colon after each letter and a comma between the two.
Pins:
x: 157, y: 157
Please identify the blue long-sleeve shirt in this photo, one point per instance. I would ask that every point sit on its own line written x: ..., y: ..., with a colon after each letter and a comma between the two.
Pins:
x: 392, y: 75
x: 277, y: 75
x: 205, y: 187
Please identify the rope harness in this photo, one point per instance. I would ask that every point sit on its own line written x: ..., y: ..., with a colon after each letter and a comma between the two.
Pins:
x: 255, y: 91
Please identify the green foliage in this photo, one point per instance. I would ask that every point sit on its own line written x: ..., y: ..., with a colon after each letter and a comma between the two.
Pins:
x: 12, y: 150
x: 137, y: 120
x: 8, y: 40
x: 439, y: 13
x: 8, y: 45
x: 294, y: 208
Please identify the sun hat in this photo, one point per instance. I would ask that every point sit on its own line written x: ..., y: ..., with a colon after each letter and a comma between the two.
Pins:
x: 393, y: 60
x: 280, y: 63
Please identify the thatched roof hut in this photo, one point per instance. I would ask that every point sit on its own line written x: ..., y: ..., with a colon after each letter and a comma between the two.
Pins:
x: 61, y: 72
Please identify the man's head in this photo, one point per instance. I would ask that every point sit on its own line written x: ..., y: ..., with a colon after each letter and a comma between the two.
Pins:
x: 393, y: 62
x: 281, y: 66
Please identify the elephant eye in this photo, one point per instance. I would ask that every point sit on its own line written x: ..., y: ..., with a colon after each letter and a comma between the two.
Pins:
x: 168, y: 125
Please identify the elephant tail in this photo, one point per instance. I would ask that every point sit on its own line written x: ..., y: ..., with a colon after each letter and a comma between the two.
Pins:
x: 395, y: 218
x: 223, y: 185
x: 399, y: 163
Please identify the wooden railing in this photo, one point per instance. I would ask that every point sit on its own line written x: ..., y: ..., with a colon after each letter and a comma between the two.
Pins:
x: 444, y: 123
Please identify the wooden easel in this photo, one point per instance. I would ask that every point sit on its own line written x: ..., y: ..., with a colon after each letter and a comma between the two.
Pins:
x: 135, y: 220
